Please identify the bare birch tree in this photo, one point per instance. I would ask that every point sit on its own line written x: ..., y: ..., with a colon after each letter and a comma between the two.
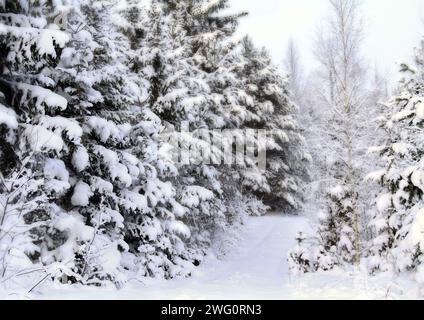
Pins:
x: 344, y: 96
x: 292, y: 65
x: 343, y: 109
x: 338, y: 51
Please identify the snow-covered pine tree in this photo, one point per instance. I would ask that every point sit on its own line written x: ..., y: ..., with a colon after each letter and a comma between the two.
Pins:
x: 214, y: 53
x: 327, y: 248
x: 398, y: 242
x: 276, y: 115
x: 178, y: 95
x: 268, y: 104
x: 213, y: 49
x: 32, y: 174
x: 83, y: 222
x: 115, y: 187
x: 211, y: 52
x: 157, y: 241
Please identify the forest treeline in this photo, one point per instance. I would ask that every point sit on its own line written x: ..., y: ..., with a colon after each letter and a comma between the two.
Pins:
x: 89, y: 191
x: 97, y: 95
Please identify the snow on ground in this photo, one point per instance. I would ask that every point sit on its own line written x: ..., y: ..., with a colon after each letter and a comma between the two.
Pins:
x: 255, y: 269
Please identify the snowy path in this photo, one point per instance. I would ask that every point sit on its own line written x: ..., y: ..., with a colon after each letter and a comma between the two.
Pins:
x: 255, y: 269
x: 259, y: 264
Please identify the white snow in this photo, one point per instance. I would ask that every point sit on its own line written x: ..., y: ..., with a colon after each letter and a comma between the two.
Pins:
x: 417, y: 179
x: 82, y: 194
x: 44, y: 39
x: 45, y: 44
x: 384, y: 202
x: 400, y: 148
x: 76, y: 230
x: 255, y: 268
x: 8, y: 117
x: 43, y: 97
x: 101, y: 185
x: 41, y: 139
x: 57, y: 175
x: 116, y: 169
x: 376, y: 176
x: 178, y: 209
x: 80, y: 159
x: 416, y: 233
x: 107, y: 129
x: 134, y: 201
x: 178, y: 227
x: 420, y: 110
x: 194, y: 195
x: 60, y: 124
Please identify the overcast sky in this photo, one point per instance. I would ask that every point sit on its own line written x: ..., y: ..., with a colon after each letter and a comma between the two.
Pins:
x: 394, y: 27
